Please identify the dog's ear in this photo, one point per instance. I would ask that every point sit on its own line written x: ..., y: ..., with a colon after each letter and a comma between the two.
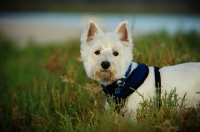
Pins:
x: 123, y: 31
x: 91, y: 30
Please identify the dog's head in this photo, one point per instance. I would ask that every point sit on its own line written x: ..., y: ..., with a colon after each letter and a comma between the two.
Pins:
x: 106, y: 56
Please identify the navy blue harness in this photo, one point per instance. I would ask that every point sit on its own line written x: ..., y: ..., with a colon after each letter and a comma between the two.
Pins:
x: 125, y: 86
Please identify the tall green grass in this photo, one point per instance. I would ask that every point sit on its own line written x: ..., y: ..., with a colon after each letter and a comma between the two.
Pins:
x: 45, y: 88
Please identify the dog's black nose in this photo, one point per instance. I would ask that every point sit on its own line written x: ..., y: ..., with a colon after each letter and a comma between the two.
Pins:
x: 105, y: 64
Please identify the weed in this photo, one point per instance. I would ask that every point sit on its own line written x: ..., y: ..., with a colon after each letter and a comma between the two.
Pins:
x: 45, y: 88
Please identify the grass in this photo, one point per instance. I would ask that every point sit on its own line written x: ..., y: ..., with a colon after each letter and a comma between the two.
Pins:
x: 45, y: 88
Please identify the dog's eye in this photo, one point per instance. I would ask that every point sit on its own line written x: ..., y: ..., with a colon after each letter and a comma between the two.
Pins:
x: 97, y: 52
x: 115, y: 53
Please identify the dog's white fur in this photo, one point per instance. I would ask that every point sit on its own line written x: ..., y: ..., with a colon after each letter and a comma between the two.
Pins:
x: 184, y: 77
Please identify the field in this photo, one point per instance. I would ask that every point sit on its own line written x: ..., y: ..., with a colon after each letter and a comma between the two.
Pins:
x: 45, y: 88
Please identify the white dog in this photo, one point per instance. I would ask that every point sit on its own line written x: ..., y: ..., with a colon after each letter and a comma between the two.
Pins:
x: 107, y: 57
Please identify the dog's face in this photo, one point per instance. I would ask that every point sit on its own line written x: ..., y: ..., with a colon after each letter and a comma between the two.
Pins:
x: 106, y: 56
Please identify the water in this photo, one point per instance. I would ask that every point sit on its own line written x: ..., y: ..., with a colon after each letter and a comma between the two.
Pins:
x: 140, y: 22
x: 44, y: 27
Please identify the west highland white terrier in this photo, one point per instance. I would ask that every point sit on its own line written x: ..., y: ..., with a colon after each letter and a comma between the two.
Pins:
x: 107, y: 57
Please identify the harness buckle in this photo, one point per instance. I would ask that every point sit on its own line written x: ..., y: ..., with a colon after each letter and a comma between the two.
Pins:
x: 119, y: 83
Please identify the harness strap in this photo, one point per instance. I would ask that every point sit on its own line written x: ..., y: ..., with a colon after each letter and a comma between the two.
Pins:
x: 131, y: 83
x: 134, y: 80
x: 158, y: 86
